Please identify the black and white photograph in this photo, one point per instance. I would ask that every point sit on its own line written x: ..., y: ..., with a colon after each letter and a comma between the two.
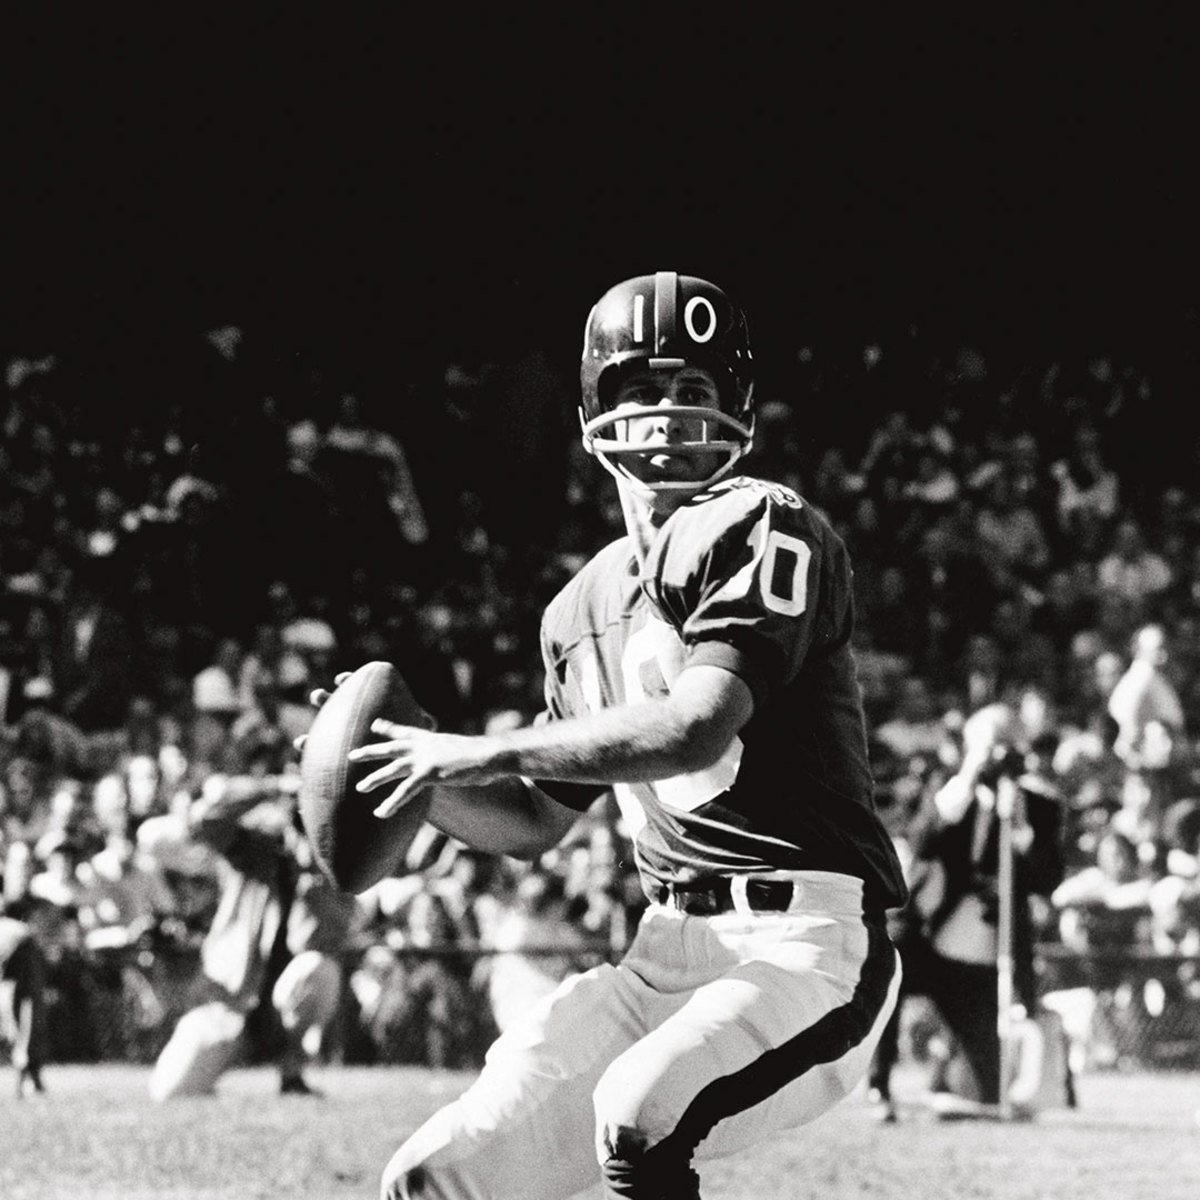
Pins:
x: 599, y: 606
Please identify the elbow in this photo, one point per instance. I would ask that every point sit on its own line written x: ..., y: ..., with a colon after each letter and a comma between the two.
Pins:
x: 706, y: 710
x: 700, y: 743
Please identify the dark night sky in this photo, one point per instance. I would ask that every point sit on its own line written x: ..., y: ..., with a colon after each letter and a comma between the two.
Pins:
x: 391, y: 185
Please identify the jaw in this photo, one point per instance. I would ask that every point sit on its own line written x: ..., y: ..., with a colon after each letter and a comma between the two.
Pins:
x: 666, y: 473
x: 648, y: 509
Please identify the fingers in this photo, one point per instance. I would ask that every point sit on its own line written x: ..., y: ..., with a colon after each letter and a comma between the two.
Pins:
x: 318, y: 696
x: 398, y: 744
x: 376, y: 751
x: 396, y: 769
x: 392, y: 803
x: 388, y: 728
x: 401, y: 796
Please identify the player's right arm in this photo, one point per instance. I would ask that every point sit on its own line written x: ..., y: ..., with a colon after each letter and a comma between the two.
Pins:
x: 508, y: 814
x: 480, y: 783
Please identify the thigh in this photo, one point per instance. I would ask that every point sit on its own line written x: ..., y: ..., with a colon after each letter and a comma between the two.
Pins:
x: 768, y: 1045
x: 524, y: 1129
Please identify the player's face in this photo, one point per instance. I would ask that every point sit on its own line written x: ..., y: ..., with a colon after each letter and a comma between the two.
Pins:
x: 650, y: 402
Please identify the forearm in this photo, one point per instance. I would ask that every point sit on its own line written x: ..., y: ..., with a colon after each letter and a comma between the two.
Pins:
x: 507, y: 816
x: 684, y: 732
x: 630, y: 744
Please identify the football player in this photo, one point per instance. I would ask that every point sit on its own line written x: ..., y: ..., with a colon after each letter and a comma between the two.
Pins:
x: 700, y: 666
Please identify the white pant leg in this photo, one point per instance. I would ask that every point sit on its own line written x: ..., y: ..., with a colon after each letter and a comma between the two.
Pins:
x: 524, y: 1130
x: 772, y: 996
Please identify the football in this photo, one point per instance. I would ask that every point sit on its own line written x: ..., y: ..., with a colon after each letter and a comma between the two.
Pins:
x: 354, y: 848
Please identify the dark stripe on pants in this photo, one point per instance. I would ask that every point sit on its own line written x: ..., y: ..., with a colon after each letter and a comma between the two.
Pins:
x: 834, y: 1035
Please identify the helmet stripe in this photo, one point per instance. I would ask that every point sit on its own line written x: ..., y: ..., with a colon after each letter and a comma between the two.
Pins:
x: 666, y: 289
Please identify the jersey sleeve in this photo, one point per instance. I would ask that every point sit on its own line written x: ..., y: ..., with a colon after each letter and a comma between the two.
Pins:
x: 558, y: 706
x: 753, y: 579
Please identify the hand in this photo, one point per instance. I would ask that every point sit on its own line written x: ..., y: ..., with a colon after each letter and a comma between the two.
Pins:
x: 985, y: 729
x: 418, y: 757
x: 317, y: 698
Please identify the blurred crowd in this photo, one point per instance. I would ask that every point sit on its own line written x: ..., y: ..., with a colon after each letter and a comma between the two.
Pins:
x: 180, y: 570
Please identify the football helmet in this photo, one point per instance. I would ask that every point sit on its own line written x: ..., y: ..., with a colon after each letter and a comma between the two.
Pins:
x: 665, y: 321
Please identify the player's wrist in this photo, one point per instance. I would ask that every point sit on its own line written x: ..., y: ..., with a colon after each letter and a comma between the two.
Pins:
x: 493, y: 756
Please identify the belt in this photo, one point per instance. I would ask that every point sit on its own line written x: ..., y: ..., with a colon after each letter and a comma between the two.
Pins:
x: 722, y: 894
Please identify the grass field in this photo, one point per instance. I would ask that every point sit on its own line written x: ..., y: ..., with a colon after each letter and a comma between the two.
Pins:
x: 96, y: 1136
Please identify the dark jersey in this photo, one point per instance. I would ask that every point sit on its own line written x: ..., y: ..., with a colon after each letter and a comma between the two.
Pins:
x: 750, y: 578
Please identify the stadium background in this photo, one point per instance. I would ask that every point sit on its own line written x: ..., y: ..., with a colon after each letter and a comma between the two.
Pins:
x: 375, y: 206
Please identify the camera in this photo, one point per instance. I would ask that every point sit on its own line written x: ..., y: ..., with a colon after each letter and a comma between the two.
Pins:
x: 1007, y: 762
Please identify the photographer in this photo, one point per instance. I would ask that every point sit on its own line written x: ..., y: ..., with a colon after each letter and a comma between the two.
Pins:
x: 950, y: 938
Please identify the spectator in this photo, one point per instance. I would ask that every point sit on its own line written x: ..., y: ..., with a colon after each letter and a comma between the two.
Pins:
x: 1132, y: 570
x: 835, y: 488
x: 1151, y: 737
x: 1088, y: 493
x: 260, y: 665
x: 952, y: 586
x: 1068, y: 605
x: 1029, y: 479
x: 1106, y: 905
x: 1175, y: 898
x: 23, y: 1002
x: 1091, y: 777
x: 538, y: 946
x: 70, y: 830
x: 215, y: 706
x: 42, y: 735
x: 124, y: 893
x: 1013, y: 540
x: 204, y: 565
x: 889, y: 463
x: 313, y: 640
x: 981, y: 672
x: 424, y: 1009
x: 97, y: 661
x: 303, y: 519
x: 914, y: 726
x: 379, y: 458
x: 898, y: 626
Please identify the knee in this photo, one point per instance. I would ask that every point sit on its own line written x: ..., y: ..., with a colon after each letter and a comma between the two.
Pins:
x: 631, y: 1166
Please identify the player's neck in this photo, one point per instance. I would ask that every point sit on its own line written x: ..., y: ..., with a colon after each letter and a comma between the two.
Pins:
x: 643, y: 519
